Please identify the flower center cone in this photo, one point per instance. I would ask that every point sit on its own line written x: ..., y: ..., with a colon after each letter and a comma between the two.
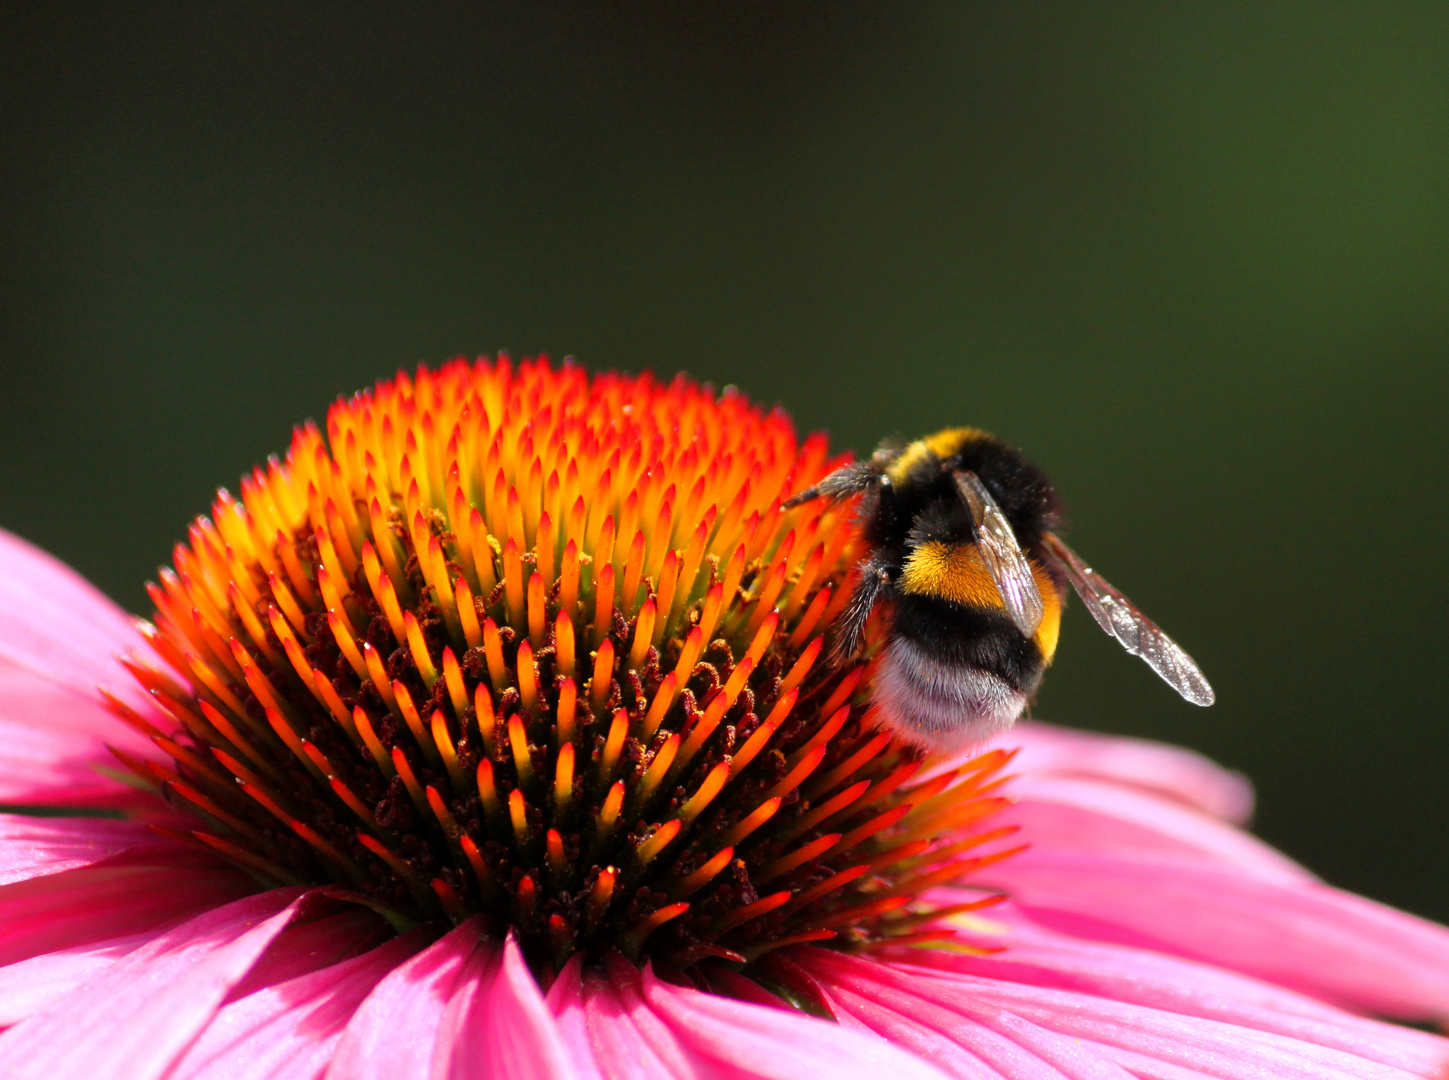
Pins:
x: 544, y: 648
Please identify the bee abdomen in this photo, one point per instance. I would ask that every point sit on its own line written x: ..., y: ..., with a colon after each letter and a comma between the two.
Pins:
x: 966, y: 636
x: 942, y: 705
x: 953, y: 676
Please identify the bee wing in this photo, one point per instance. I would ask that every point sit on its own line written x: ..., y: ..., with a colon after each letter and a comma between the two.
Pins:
x: 1005, y: 563
x: 1121, y: 618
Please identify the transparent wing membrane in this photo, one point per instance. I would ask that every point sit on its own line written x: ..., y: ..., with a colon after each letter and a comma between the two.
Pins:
x: 999, y: 550
x: 1121, y: 618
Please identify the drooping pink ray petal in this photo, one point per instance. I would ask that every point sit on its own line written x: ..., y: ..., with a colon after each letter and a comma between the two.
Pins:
x: 1062, y: 813
x: 454, y: 1046
x: 1145, y: 1040
x: 744, y: 1040
x: 966, y: 1039
x: 143, y: 1013
x: 783, y: 968
x: 1037, y: 957
x: 565, y: 1001
x: 507, y: 1032
x: 392, y: 1033
x: 126, y: 894
x: 30, y: 985
x: 52, y: 739
x: 524, y: 1040
x: 729, y: 983
x: 289, y: 1030
x: 1130, y: 1033
x: 1045, y: 749
x: 56, y: 624
x: 32, y: 846
x: 626, y: 1037
x: 1306, y: 936
x: 310, y: 944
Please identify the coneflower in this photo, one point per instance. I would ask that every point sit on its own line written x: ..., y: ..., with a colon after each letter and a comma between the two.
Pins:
x: 489, y: 734
x: 545, y: 649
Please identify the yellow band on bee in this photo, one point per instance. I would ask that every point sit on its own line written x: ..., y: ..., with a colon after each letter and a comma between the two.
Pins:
x: 942, y: 444
x: 952, y: 572
x: 956, y: 572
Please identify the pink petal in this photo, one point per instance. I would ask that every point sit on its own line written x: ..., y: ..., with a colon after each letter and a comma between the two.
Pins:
x: 1045, y: 749
x: 740, y: 1039
x: 967, y: 1038
x: 391, y: 1035
x: 55, y: 623
x: 1150, y: 979
x: 59, y: 640
x: 454, y: 1041
x: 783, y: 969
x: 1302, y: 935
x: 1060, y: 813
x: 142, y: 1014
x: 1092, y: 1030
x: 627, y: 1038
x: 31, y: 985
x: 1132, y: 1034
x: 506, y: 1030
x: 731, y: 984
x: 311, y: 943
x: 565, y: 1000
x: 126, y: 894
x: 31, y: 846
x: 288, y: 1031
x: 52, y: 740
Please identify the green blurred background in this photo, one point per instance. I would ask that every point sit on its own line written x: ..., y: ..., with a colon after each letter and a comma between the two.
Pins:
x: 1193, y: 258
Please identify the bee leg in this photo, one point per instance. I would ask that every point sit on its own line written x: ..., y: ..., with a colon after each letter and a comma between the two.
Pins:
x: 874, y: 580
x: 844, y: 482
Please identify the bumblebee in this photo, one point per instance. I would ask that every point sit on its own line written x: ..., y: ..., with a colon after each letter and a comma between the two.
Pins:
x: 964, y: 556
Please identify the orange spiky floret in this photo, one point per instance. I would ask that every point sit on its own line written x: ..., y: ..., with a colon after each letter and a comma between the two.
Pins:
x: 518, y: 642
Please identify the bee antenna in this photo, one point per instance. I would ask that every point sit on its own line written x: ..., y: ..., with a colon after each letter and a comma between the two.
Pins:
x: 844, y: 482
